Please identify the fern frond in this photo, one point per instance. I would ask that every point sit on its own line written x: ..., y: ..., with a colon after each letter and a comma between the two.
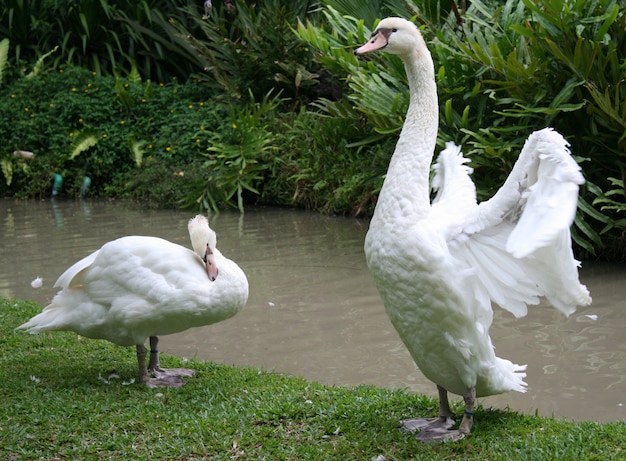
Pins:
x: 134, y: 76
x: 136, y: 150
x: 84, y: 140
x: 7, y: 170
x: 4, y: 53
x: 38, y: 67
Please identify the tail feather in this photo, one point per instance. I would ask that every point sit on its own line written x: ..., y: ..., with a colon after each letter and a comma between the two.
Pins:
x: 48, y: 320
x: 505, y: 376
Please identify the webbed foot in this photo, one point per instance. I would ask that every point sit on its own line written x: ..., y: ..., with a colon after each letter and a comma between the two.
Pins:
x: 440, y: 435
x: 152, y: 375
x: 167, y: 377
x: 438, y: 429
x: 424, y: 424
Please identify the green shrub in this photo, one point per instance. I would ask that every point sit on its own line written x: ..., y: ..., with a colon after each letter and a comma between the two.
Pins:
x: 127, y: 122
x: 238, y: 157
x: 319, y: 167
x: 250, y: 46
x: 101, y: 35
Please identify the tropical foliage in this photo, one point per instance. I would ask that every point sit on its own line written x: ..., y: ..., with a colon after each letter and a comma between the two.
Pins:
x: 101, y: 35
x: 248, y: 48
x: 276, y: 108
x: 110, y: 129
x: 238, y: 156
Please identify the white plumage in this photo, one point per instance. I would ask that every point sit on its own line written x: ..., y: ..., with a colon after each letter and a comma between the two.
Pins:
x: 438, y: 267
x: 137, y: 287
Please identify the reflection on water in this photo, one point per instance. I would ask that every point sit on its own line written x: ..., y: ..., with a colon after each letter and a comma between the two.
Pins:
x: 313, y: 309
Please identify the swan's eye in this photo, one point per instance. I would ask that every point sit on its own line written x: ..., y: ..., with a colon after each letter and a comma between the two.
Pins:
x: 394, y: 30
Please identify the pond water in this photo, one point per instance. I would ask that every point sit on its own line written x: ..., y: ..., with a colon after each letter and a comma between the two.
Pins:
x: 314, y: 312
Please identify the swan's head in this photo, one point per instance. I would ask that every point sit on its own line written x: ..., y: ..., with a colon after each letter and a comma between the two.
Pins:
x: 395, y: 36
x: 203, y: 242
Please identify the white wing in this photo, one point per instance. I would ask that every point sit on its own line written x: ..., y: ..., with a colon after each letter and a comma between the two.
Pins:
x: 549, y: 193
x: 455, y: 199
x: 66, y: 279
x: 517, y: 245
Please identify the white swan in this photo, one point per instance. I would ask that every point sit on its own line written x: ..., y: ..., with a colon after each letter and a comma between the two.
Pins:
x: 439, y: 266
x: 135, y: 288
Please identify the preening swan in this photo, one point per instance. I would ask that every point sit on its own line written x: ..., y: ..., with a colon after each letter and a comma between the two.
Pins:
x: 438, y: 267
x: 135, y: 288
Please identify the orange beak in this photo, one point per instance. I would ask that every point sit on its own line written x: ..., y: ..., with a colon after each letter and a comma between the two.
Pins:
x: 377, y: 42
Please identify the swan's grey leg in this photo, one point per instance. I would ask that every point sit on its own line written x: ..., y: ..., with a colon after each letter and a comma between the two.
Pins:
x: 154, y: 354
x: 444, y: 419
x: 468, y: 415
x: 161, y: 377
x: 439, y: 434
x: 171, y: 377
x: 141, y: 361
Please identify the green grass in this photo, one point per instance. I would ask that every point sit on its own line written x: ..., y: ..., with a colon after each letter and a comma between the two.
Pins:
x: 55, y: 404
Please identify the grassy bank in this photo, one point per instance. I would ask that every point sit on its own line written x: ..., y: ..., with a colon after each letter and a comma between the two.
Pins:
x: 60, y: 399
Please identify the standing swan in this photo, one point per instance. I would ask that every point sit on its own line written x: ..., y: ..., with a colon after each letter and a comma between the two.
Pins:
x: 439, y: 266
x: 135, y: 288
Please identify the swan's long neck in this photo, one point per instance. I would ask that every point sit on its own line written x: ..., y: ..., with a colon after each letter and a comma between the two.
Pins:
x: 405, y: 192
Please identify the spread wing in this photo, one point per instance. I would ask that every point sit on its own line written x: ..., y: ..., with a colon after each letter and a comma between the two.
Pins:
x: 517, y: 245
